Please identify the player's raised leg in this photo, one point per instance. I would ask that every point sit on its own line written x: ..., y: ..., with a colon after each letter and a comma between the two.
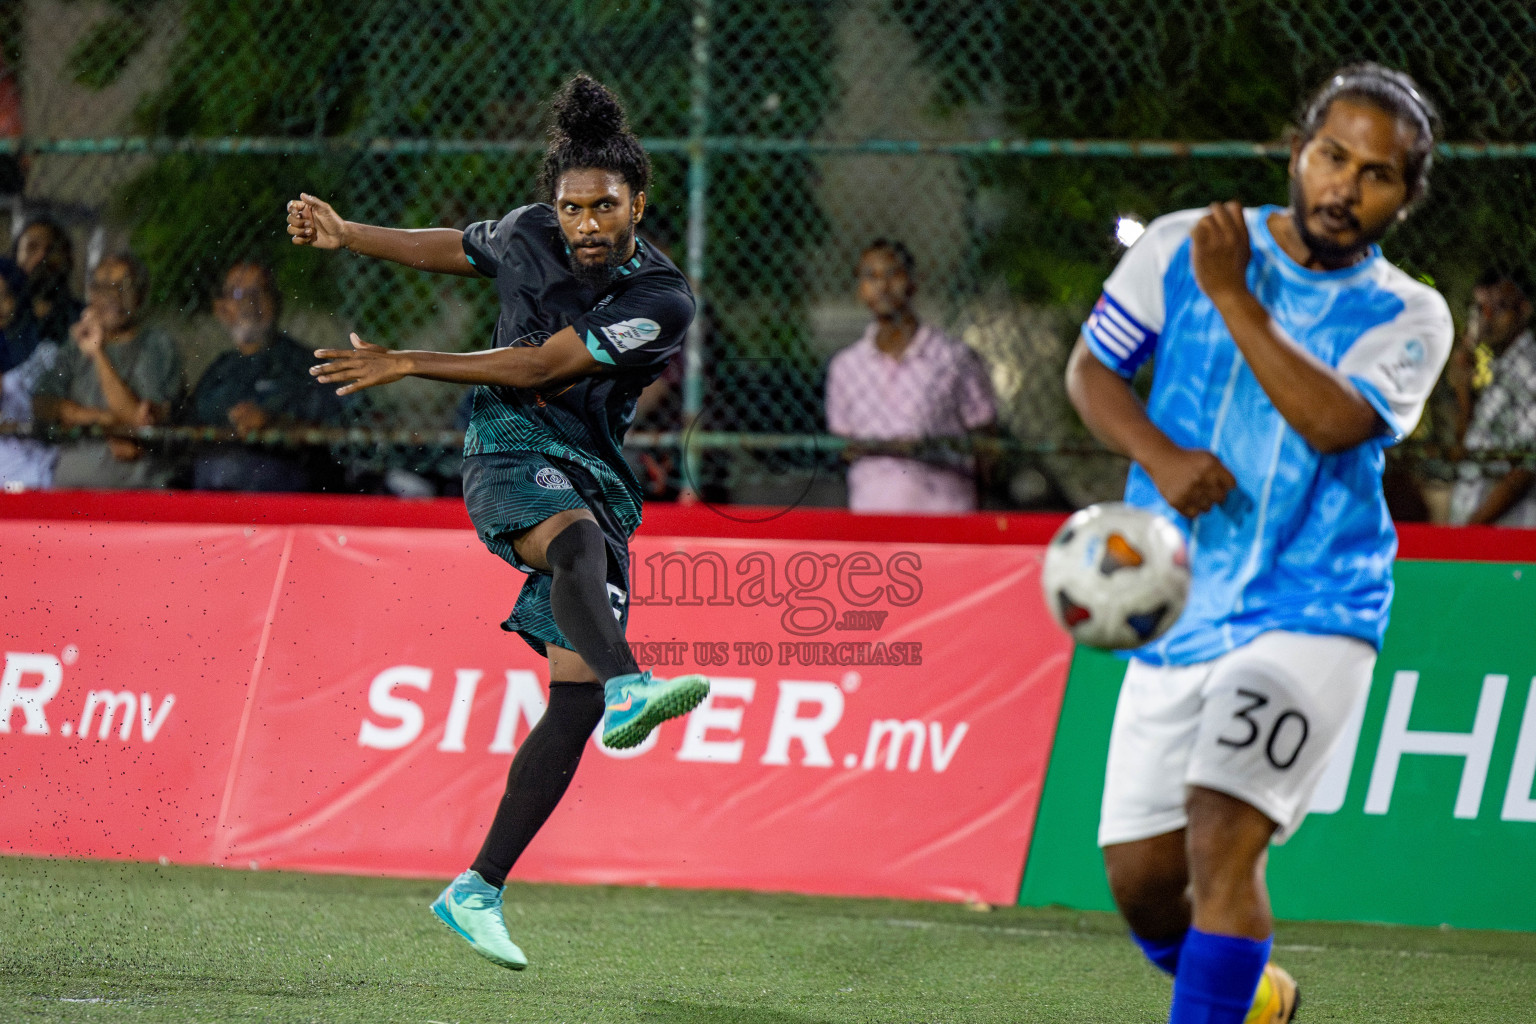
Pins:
x: 1149, y: 879
x: 571, y: 547
x: 1150, y: 882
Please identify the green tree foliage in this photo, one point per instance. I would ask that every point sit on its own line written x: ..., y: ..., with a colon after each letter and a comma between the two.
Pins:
x: 440, y: 72
x: 1054, y: 243
x: 10, y: 32
x: 1134, y: 69
x: 1224, y: 69
x: 243, y: 69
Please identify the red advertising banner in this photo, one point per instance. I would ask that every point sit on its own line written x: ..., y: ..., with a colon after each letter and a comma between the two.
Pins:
x: 128, y: 653
x: 880, y: 722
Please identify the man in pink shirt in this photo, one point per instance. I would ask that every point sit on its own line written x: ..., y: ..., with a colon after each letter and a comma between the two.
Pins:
x: 906, y: 381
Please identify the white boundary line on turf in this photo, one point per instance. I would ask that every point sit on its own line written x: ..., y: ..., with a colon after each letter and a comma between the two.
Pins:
x: 1069, y: 933
x: 1061, y: 933
x: 1036, y: 933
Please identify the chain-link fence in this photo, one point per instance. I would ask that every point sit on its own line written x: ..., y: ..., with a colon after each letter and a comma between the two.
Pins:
x: 1000, y: 141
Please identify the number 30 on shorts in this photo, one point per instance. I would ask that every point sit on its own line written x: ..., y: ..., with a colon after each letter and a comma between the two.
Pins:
x: 1283, y: 739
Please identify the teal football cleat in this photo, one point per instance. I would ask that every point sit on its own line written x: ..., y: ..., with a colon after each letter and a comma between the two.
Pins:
x: 637, y: 704
x: 471, y: 907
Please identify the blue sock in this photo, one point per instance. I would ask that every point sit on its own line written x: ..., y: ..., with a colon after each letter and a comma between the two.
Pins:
x: 1165, y: 955
x: 1217, y: 977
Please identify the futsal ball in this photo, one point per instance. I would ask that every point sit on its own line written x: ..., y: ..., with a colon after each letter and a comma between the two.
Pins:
x: 1116, y: 576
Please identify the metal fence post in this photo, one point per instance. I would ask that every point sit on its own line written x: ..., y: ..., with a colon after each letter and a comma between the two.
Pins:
x: 698, y: 188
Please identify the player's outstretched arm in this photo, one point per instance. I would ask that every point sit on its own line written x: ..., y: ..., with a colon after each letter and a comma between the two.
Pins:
x: 1192, y: 480
x: 314, y: 222
x: 560, y: 360
x: 1317, y: 401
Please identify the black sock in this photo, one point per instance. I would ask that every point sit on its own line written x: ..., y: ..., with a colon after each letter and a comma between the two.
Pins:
x: 540, y: 773
x: 578, y: 557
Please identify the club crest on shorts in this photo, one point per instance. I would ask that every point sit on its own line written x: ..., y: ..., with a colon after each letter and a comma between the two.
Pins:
x: 552, y: 479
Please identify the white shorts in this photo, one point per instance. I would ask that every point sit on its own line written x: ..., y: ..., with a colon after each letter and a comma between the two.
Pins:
x: 1258, y: 723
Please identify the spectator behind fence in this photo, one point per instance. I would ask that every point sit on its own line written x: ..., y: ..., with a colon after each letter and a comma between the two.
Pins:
x: 46, y: 255
x: 1497, y: 359
x: 114, y: 373
x: 262, y: 382
x: 24, y: 464
x: 18, y: 334
x: 905, y: 381
x: 659, y: 408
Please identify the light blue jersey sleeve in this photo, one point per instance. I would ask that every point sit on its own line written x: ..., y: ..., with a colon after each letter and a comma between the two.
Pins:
x: 1123, y: 329
x: 1395, y: 364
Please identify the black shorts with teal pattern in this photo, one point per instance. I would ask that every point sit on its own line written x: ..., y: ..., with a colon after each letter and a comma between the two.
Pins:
x: 509, y: 493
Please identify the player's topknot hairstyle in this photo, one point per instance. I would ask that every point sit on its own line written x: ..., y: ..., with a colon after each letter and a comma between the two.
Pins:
x: 588, y: 129
x: 1389, y: 91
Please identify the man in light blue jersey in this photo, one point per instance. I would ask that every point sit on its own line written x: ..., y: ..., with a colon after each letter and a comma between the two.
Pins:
x: 1288, y: 354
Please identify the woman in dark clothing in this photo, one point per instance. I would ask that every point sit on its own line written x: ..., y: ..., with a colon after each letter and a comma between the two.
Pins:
x: 46, y: 256
x: 18, y: 333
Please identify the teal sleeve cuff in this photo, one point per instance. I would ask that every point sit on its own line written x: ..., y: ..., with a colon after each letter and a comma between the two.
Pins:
x: 598, y: 352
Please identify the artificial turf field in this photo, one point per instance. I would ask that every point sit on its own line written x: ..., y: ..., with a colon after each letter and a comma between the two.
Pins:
x: 88, y: 941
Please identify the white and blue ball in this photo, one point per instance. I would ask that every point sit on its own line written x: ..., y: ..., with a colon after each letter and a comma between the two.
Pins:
x: 1116, y: 576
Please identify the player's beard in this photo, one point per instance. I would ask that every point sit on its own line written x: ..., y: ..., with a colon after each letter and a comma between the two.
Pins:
x: 597, y: 276
x: 1327, y: 252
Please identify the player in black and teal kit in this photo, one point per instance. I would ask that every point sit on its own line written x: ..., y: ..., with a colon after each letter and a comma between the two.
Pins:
x: 590, y: 314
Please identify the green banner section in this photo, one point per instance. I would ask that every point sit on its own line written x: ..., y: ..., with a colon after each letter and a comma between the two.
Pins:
x: 1431, y: 821
x: 1064, y: 866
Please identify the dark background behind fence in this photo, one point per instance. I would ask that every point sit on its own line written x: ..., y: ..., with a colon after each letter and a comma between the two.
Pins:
x: 1000, y: 140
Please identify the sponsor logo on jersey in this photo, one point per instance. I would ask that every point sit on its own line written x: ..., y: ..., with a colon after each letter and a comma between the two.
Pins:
x: 1399, y: 368
x: 631, y: 334
x: 552, y: 479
